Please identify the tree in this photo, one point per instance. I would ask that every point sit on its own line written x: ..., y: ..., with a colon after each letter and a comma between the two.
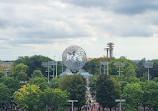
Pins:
x: 54, y: 83
x: 2, y: 73
x: 34, y: 63
x: 11, y: 83
x: 106, y: 91
x: 93, y: 65
x: 40, y: 81
x: 56, y: 98
x: 132, y: 92
x: 5, y: 95
x: 144, y: 78
x: 75, y: 85
x: 28, y: 98
x: 140, y: 69
x: 19, y: 72
x: 92, y: 84
x: 131, y: 79
x: 154, y: 70
x: 37, y: 73
x: 127, y: 70
x: 150, y: 96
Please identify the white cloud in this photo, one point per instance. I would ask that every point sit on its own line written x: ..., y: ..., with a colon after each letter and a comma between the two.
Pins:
x: 48, y: 27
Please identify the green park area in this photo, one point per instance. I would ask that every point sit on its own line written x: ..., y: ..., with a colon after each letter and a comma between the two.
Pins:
x: 24, y: 86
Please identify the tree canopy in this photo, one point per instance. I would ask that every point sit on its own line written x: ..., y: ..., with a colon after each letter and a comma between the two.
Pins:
x: 5, y: 95
x: 42, y: 82
x: 33, y: 63
x: 56, y: 98
x: 75, y: 85
x: 150, y: 96
x: 106, y: 91
x: 127, y: 70
x: 29, y: 97
x: 133, y: 93
x: 20, y: 72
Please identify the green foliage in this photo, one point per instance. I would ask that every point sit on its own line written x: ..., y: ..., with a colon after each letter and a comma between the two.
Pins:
x: 5, y: 95
x: 154, y: 70
x: 40, y: 81
x: 75, y: 86
x: 7, y: 87
x: 140, y: 69
x: 19, y: 72
x: 106, y: 91
x: 56, y: 98
x: 11, y: 83
x: 144, y: 78
x: 93, y: 66
x: 127, y: 70
x: 54, y: 83
x: 29, y: 98
x: 2, y: 73
x: 132, y: 79
x: 37, y: 73
x: 92, y: 84
x: 155, y: 79
x: 150, y: 96
x: 34, y: 63
x: 132, y: 92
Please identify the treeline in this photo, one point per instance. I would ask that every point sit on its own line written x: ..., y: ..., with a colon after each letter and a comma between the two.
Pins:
x: 39, y: 95
x: 26, y: 87
x: 131, y: 68
x: 132, y: 85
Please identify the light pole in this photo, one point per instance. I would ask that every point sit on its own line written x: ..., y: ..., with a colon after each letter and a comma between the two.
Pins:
x: 6, y: 66
x: 72, y: 101
x: 148, y: 65
x: 56, y: 66
x: 48, y: 64
x: 120, y: 64
x: 120, y: 100
x: 104, y: 64
x: 62, y: 68
x: 56, y: 69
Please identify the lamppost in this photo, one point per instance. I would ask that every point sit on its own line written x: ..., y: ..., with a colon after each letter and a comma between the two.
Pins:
x: 104, y: 64
x: 148, y: 65
x: 120, y: 64
x: 120, y: 100
x: 48, y: 64
x: 6, y: 66
x: 62, y: 68
x: 72, y: 101
x: 56, y: 66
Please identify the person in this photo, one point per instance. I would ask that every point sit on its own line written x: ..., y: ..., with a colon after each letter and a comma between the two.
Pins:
x: 98, y: 108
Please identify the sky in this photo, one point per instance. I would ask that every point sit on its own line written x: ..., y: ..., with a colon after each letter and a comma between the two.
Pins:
x: 48, y: 27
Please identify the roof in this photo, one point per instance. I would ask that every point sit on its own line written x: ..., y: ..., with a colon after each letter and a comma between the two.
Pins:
x: 82, y: 73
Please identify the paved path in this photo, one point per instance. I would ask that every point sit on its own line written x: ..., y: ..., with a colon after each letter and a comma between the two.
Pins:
x: 93, y: 106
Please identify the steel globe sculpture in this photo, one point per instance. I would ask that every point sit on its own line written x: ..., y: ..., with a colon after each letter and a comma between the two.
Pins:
x: 74, y: 58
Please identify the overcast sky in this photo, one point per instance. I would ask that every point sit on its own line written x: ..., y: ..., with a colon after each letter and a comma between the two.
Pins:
x: 47, y: 27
